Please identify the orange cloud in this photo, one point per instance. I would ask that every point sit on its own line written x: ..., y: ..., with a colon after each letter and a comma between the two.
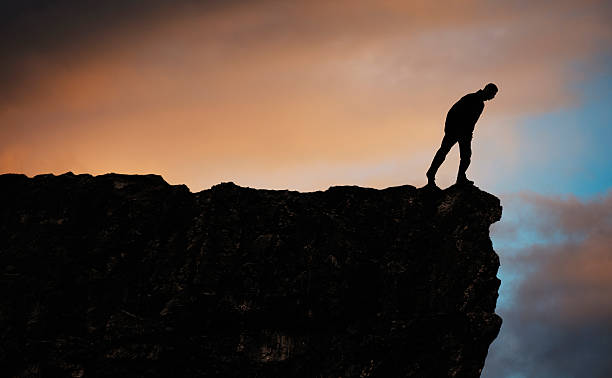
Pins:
x: 556, y: 301
x: 568, y: 272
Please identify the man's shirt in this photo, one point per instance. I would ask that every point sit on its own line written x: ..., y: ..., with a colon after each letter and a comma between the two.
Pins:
x: 461, y: 118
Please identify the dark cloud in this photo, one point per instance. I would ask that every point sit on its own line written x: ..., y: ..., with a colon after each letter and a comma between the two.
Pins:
x: 41, y: 33
x: 549, y: 351
x: 559, y: 321
x: 40, y: 23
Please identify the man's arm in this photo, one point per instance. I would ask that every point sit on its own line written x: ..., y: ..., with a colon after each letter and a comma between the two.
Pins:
x: 478, y: 111
x: 475, y: 107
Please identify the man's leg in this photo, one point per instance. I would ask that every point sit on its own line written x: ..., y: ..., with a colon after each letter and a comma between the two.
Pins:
x: 465, y: 152
x: 447, y: 143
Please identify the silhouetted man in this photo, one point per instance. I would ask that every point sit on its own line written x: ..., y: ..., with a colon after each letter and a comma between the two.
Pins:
x: 459, y: 126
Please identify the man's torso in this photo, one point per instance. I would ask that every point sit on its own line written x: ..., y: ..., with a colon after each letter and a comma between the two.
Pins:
x: 462, y: 116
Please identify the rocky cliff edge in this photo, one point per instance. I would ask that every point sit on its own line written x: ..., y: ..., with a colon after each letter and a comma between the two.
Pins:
x: 126, y: 275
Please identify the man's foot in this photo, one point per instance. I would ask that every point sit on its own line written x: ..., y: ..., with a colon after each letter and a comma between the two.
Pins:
x: 464, y: 181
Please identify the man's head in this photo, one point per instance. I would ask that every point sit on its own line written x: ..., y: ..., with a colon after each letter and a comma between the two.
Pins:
x: 489, y: 91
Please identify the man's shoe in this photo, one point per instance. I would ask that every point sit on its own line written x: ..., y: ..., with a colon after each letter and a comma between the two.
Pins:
x: 431, y: 179
x: 464, y: 181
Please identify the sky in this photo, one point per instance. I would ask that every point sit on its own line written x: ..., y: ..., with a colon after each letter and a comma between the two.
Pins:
x: 304, y: 95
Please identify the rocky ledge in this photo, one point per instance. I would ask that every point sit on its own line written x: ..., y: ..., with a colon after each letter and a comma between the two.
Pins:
x: 128, y: 276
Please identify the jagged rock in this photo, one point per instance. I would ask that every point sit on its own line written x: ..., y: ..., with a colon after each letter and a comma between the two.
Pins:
x: 124, y: 275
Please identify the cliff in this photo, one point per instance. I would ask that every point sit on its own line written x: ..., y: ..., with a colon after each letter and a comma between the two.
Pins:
x: 125, y: 275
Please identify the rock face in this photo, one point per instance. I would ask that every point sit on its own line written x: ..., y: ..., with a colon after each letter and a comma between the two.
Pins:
x: 127, y: 276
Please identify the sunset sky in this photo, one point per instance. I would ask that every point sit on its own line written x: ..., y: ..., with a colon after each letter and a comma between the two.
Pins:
x: 304, y: 95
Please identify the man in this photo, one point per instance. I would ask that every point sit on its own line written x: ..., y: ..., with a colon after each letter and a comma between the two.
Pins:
x: 459, y: 126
